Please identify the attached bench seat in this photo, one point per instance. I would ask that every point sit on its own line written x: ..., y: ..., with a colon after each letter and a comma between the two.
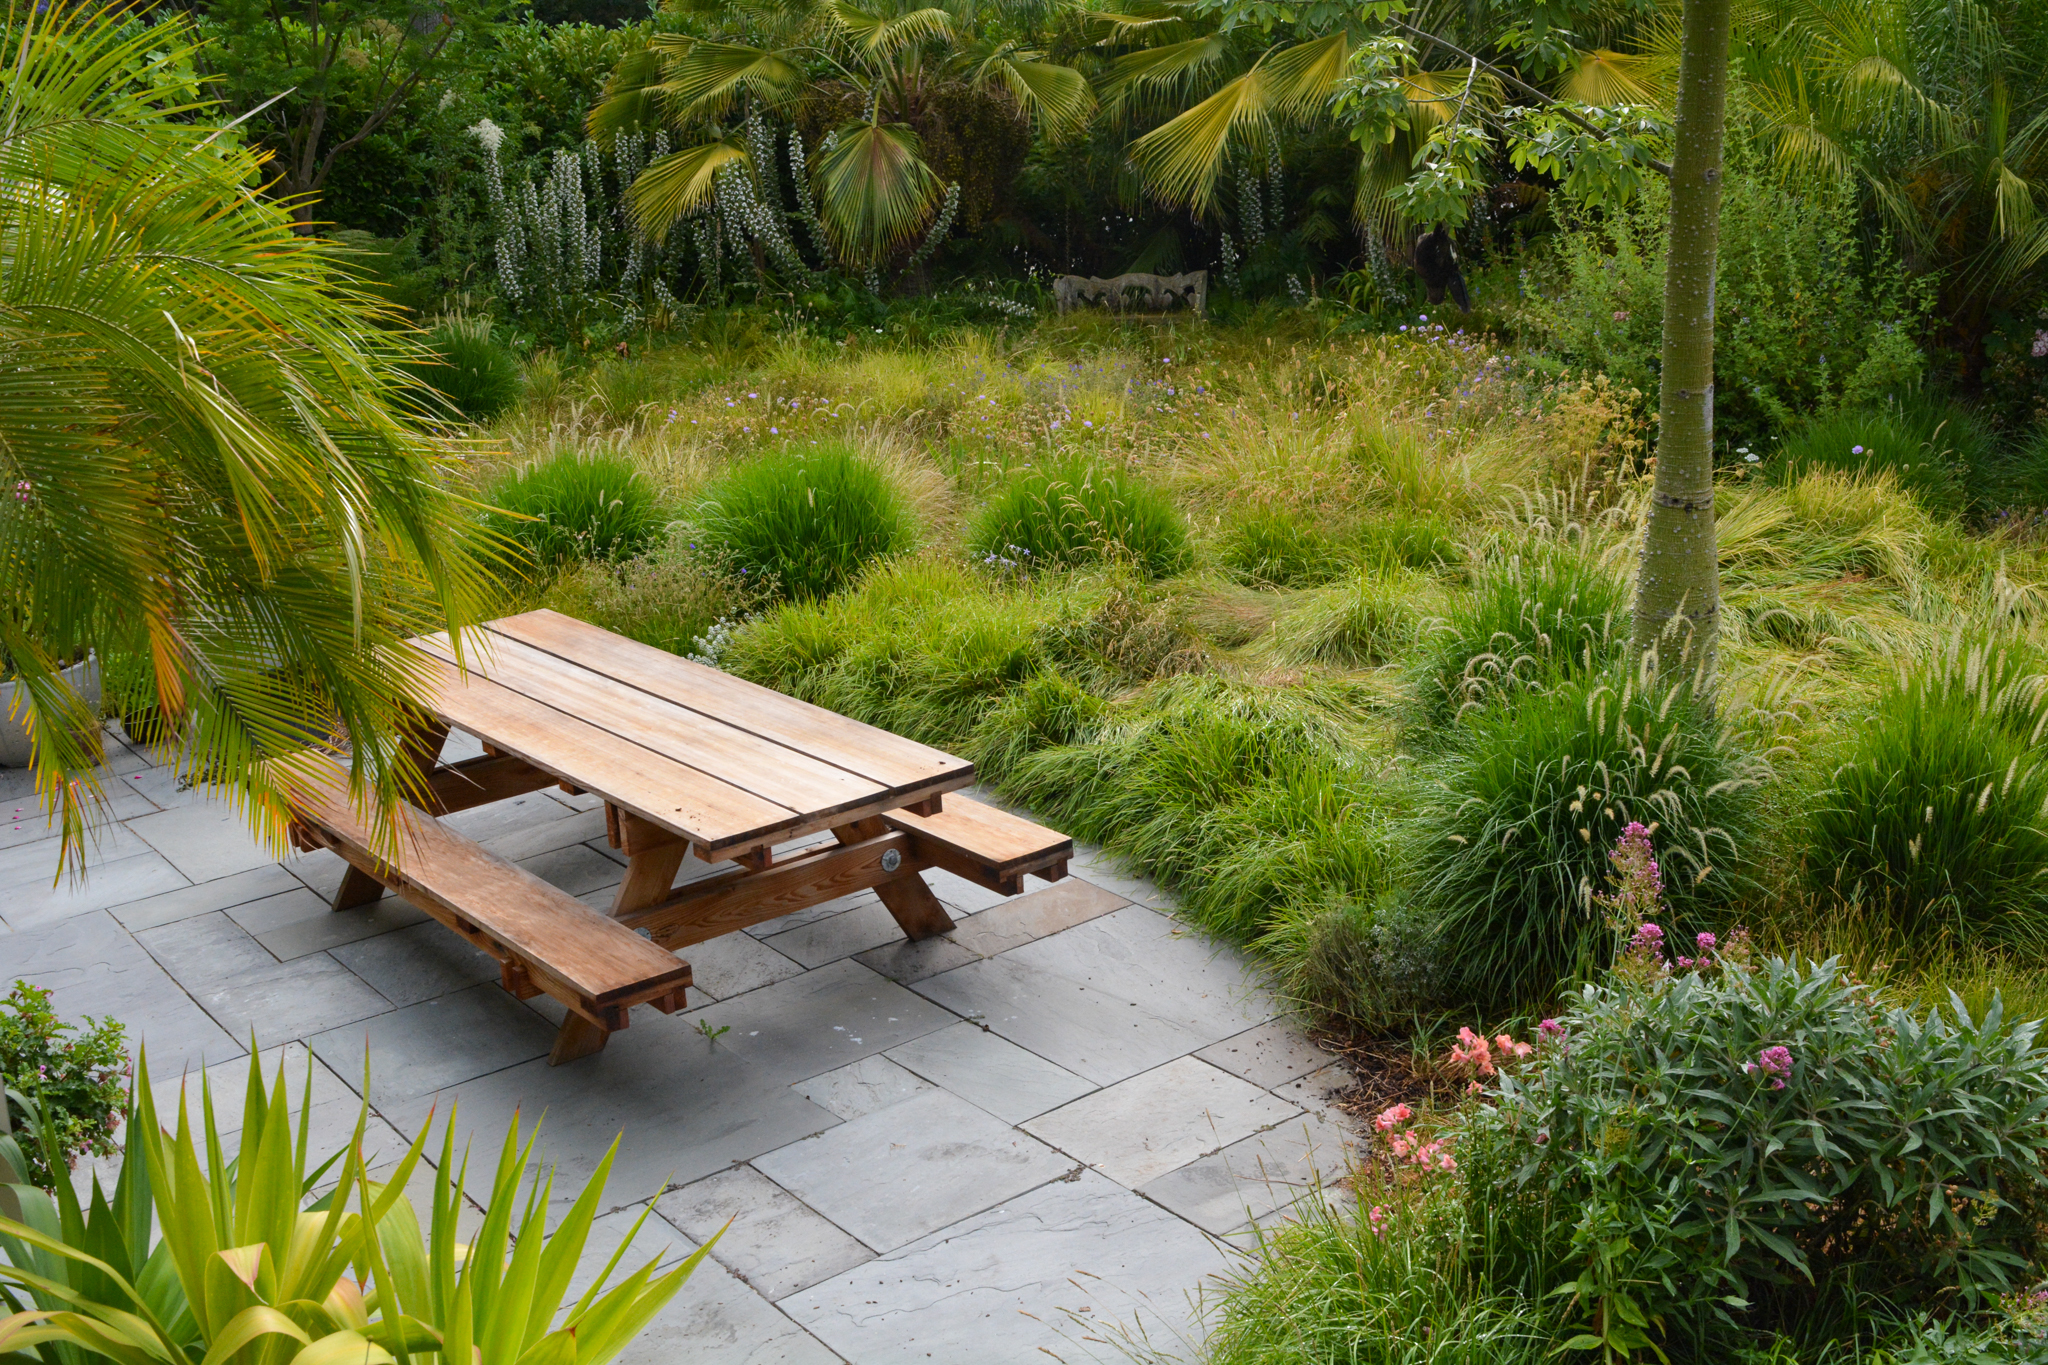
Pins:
x: 985, y: 844
x: 544, y: 939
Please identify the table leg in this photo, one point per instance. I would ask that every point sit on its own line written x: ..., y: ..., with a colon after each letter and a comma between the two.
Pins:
x: 916, y: 909
x: 423, y: 747
x: 577, y: 1037
x: 649, y: 875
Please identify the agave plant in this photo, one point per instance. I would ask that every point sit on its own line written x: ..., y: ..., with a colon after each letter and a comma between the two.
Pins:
x: 201, y: 1254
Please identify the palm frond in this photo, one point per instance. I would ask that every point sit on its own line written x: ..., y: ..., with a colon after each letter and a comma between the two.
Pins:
x: 885, y: 35
x: 875, y: 190
x: 675, y: 184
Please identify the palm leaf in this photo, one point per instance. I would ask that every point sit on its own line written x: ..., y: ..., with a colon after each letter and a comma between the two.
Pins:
x: 675, y: 184
x: 875, y: 190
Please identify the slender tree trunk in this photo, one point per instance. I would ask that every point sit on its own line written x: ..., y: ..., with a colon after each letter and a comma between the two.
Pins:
x: 1677, y: 588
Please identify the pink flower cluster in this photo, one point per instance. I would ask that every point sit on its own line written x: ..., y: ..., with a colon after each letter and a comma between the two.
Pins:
x: 1704, y: 943
x: 1433, y: 1154
x: 1473, y: 1050
x: 1775, y: 1062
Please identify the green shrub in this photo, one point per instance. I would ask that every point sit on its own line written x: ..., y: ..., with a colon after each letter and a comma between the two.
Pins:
x: 1936, y: 810
x: 474, y: 371
x: 2016, y: 482
x: 808, y: 521
x: 1075, y: 512
x: 1804, y: 319
x: 1361, y: 624
x: 1272, y: 550
x: 1532, y: 620
x: 1935, y: 452
x: 1719, y: 1147
x: 1510, y: 839
x: 75, y: 1079
x: 669, y: 597
x: 581, y: 507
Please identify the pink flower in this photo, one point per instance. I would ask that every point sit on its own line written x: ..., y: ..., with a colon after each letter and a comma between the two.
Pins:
x: 1401, y: 1145
x: 1550, y: 1028
x: 1706, y: 942
x: 1473, y: 1050
x: 1393, y: 1118
x: 1775, y: 1062
x: 1378, y: 1218
x: 2040, y: 344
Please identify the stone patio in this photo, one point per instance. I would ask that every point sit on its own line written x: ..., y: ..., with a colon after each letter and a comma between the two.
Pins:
x: 1029, y: 1138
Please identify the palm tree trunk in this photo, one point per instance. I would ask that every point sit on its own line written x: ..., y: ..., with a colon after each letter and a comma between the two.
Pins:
x: 1677, y: 586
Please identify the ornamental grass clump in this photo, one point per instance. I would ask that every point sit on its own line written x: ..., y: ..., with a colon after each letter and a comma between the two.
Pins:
x: 1274, y: 550
x: 1534, y: 619
x: 1710, y: 1146
x: 468, y: 368
x: 574, y: 506
x: 811, y: 520
x: 1935, y: 817
x: 1511, y: 837
x: 1075, y: 511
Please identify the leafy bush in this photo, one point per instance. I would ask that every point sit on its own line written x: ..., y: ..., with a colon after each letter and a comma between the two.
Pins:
x: 580, y: 507
x: 1702, y: 1149
x: 1532, y: 620
x: 74, y: 1079
x: 470, y: 368
x: 1804, y: 319
x: 1511, y: 837
x: 195, y: 1257
x: 808, y: 521
x: 1273, y: 550
x: 670, y: 597
x: 1936, y: 810
x: 1076, y: 512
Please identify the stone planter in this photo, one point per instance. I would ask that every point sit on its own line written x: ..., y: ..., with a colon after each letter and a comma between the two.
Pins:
x: 84, y: 679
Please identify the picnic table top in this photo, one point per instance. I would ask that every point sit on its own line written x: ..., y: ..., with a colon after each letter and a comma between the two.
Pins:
x: 722, y: 762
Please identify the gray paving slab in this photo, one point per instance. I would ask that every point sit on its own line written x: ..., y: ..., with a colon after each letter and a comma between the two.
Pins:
x: 27, y: 823
x: 823, y: 1019
x: 1269, y: 1055
x: 1035, y: 915
x: 204, y: 840
x: 1137, y: 1130
x: 168, y: 787
x: 1318, y: 1091
x: 1257, y: 1176
x: 680, y: 1106
x: 575, y: 869
x: 990, y: 1072
x: 510, y: 816
x: 34, y: 863
x: 284, y: 1000
x: 222, y: 893
x: 1040, y: 1275
x: 862, y: 1087
x: 298, y: 922
x: 734, y: 964
x: 771, y: 1239
x: 1107, y: 872
x: 894, y: 1175
x: 418, y: 963
x: 864, y: 924
x: 229, y: 1080
x: 800, y: 918
x: 320, y: 870
x: 905, y: 961
x: 202, y: 949
x: 715, y: 1319
x: 1110, y: 998
x: 562, y: 828
x: 36, y: 900
x: 92, y: 966
x: 436, y: 1044
x: 959, y: 894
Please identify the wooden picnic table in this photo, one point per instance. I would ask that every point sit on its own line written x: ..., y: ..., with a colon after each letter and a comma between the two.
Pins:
x: 687, y: 759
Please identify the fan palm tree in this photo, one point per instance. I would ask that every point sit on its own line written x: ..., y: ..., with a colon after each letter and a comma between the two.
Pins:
x: 875, y: 191
x: 1937, y: 109
x: 202, y: 459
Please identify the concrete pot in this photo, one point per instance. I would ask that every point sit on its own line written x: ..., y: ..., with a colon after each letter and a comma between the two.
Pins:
x: 15, y: 749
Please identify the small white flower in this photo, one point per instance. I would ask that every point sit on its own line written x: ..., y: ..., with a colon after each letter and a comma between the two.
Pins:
x: 488, y: 133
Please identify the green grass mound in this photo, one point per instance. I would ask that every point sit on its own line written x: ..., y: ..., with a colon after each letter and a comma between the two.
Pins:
x: 1938, y: 451
x: 1936, y: 811
x: 575, y: 506
x: 808, y: 522
x: 469, y: 369
x: 1075, y: 512
x: 1511, y: 840
x: 1272, y: 550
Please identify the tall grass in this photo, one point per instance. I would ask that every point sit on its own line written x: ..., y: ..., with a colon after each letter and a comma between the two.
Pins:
x: 1535, y: 619
x: 1075, y: 511
x: 1271, y: 550
x: 471, y: 369
x: 810, y: 520
x: 1917, y: 446
x: 1511, y: 840
x: 1936, y: 814
x: 574, y: 506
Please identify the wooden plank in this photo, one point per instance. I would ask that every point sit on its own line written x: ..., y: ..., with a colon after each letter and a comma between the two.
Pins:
x: 773, y: 771
x: 600, y: 965
x: 733, y: 900
x: 480, y: 781
x: 984, y: 844
x: 900, y: 764
x: 675, y: 796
